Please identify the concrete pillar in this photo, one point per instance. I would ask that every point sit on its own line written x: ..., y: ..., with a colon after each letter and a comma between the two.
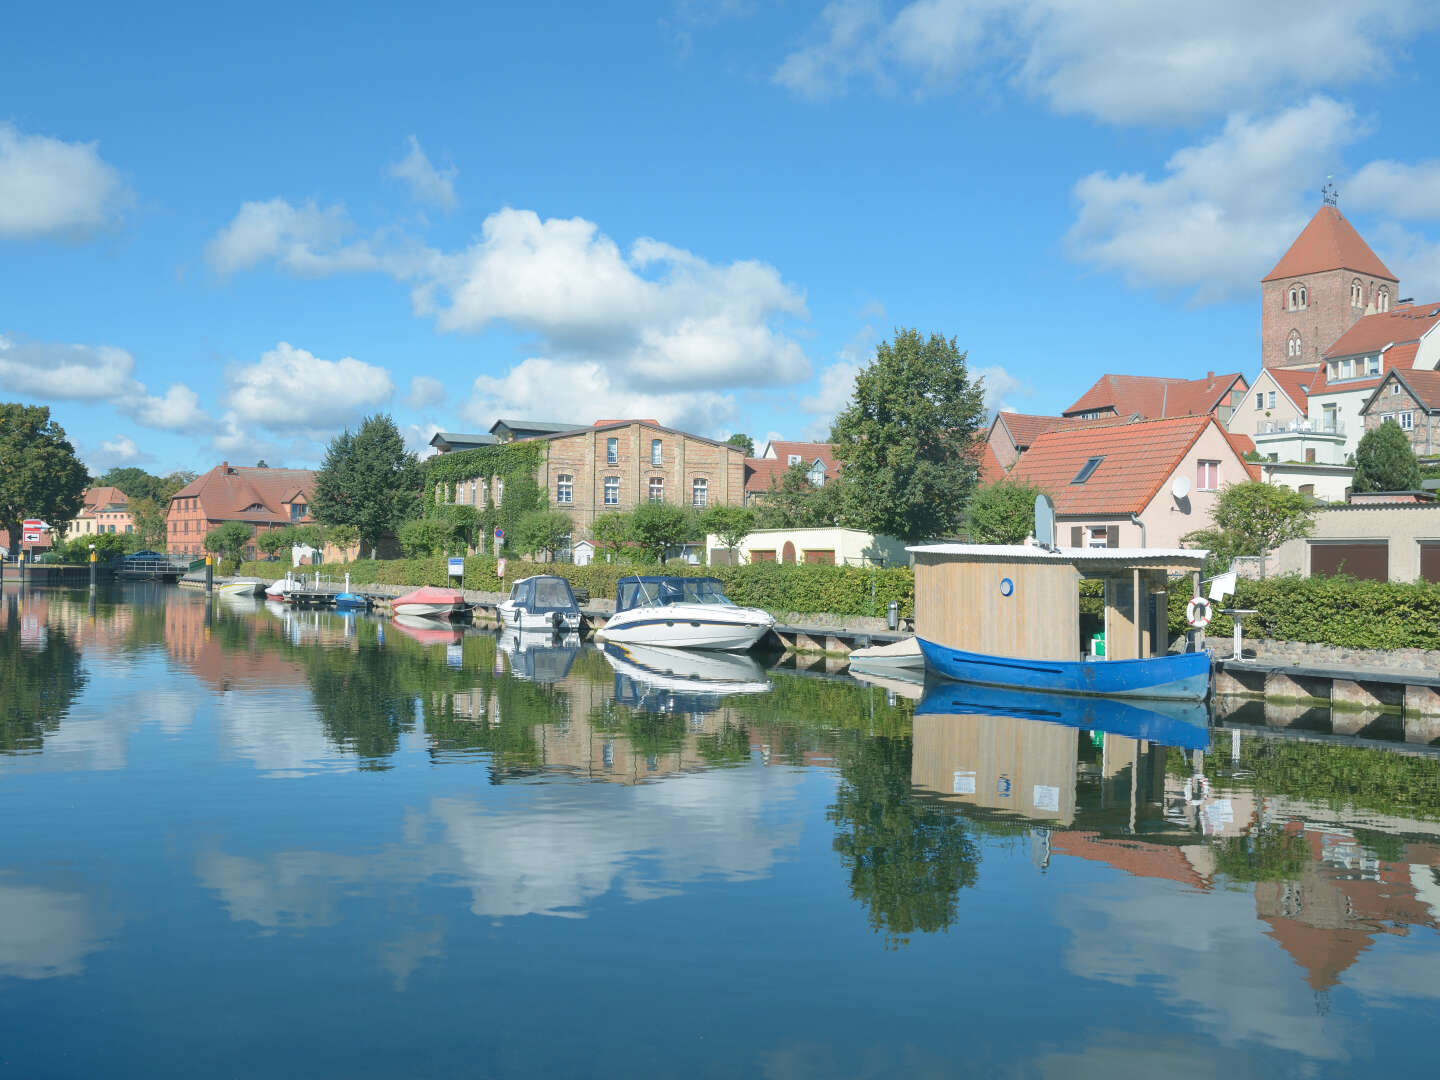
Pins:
x: 1349, y: 722
x: 1349, y: 692
x: 1422, y: 729
x: 1283, y: 686
x: 1422, y: 701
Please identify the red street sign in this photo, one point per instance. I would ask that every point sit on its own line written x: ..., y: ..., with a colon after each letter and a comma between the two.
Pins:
x: 32, y: 523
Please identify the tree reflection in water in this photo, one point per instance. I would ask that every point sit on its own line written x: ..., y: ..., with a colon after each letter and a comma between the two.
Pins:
x: 40, y: 675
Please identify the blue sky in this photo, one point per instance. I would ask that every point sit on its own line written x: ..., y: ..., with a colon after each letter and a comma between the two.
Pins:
x: 227, y: 236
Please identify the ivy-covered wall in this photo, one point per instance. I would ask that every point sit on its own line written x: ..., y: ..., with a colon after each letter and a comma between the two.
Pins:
x: 515, y: 463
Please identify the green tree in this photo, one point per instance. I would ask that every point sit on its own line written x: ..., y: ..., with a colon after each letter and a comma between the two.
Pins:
x: 1002, y: 513
x: 730, y: 524
x: 420, y: 537
x: 344, y: 537
x: 543, y: 530
x: 793, y: 502
x: 368, y: 480
x: 906, y: 438
x: 1254, y: 518
x: 151, y: 531
x: 107, y: 546
x: 611, y: 532
x: 657, y: 527
x: 135, y: 483
x: 742, y: 441
x: 174, y: 482
x: 464, y: 522
x: 275, y: 541
x: 1385, y: 461
x: 40, y: 476
x: 228, y: 540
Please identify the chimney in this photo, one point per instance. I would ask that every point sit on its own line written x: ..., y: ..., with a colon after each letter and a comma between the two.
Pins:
x: 1210, y: 375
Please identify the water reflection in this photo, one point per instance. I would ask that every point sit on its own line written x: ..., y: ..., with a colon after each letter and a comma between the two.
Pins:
x: 412, y: 799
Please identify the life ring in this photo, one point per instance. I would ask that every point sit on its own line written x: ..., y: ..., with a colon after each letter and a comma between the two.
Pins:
x: 1197, y: 612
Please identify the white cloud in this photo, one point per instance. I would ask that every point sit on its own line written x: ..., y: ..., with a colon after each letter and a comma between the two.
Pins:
x: 585, y: 391
x: 1223, y: 210
x: 1413, y: 257
x: 1124, y: 61
x: 306, y: 240
x: 291, y: 388
x: 96, y: 373
x: 429, y: 185
x: 121, y: 450
x: 417, y: 438
x: 44, y: 933
x: 832, y: 393
x: 47, y: 185
x: 999, y: 385
x: 424, y: 392
x: 1392, y: 187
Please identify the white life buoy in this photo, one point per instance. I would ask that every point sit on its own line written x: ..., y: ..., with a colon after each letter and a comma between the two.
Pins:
x: 1197, y: 612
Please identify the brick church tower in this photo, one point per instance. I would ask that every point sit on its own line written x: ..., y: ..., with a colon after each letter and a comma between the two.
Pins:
x: 1327, y: 280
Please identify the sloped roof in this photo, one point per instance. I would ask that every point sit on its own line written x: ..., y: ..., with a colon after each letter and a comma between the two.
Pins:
x: 1025, y: 427
x: 1137, y: 458
x: 762, y: 473
x: 1242, y: 445
x: 1399, y: 325
x: 463, y: 438
x: 612, y: 423
x: 1294, y: 383
x: 808, y: 452
x: 99, y: 498
x: 1328, y: 242
x: 1154, y: 397
x: 1401, y: 356
x: 227, y: 492
x: 990, y: 468
x: 1424, y: 385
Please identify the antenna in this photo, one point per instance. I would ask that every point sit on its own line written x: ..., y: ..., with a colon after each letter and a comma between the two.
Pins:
x: 1329, y: 192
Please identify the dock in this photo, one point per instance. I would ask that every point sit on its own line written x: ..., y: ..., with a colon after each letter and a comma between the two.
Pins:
x: 1413, y: 693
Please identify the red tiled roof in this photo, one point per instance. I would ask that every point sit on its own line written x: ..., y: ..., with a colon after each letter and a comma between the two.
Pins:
x: 1295, y: 382
x: 1425, y: 385
x: 762, y: 473
x: 1328, y: 242
x: 808, y: 452
x: 1155, y: 397
x: 1134, y: 857
x: 97, y: 498
x: 227, y: 492
x: 991, y: 470
x: 1137, y: 459
x: 1024, y: 427
x: 1401, y: 356
x: 611, y: 423
x: 1243, y: 445
x: 1371, y: 332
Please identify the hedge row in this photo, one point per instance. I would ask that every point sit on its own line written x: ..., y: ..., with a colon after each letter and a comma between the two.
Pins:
x: 776, y: 587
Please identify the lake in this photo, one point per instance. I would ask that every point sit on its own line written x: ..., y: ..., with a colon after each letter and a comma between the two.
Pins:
x: 245, y: 841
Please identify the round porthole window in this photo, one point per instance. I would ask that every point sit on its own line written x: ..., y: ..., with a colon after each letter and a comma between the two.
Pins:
x: 1006, y: 586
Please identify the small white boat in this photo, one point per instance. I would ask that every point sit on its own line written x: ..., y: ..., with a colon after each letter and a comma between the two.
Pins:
x: 683, y: 613
x: 242, y: 586
x: 541, y: 602
x: 276, y: 589
x: 902, y: 655
x: 431, y: 603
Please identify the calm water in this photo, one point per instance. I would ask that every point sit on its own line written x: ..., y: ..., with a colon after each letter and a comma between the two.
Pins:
x: 267, y: 844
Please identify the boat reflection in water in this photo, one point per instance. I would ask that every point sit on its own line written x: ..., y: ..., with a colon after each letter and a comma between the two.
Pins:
x: 428, y: 631
x: 541, y: 656
x: 684, y: 680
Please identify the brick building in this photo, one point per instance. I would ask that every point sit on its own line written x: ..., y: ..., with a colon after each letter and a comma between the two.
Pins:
x: 104, y: 510
x: 264, y: 499
x: 1328, y: 279
x: 1411, y: 398
x: 617, y: 465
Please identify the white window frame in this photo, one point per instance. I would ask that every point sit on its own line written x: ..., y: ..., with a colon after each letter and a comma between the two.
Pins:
x: 1272, y: 399
x: 657, y: 452
x: 792, y: 459
x: 610, y: 491
x: 612, y: 451
x: 564, y: 489
x: 1259, y: 401
x: 1407, y: 420
x: 699, y: 492
x: 1206, y: 468
x: 656, y: 489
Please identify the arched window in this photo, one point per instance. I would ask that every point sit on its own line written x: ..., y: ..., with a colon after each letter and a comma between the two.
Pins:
x: 1303, y: 298
x: 1357, y: 294
x: 564, y: 489
x: 657, y: 489
x: 699, y: 492
x: 1382, y: 302
x: 1292, y: 347
x: 499, y: 489
x: 1294, y: 298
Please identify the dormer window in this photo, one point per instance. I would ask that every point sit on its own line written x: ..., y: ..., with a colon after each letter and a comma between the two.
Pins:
x: 1372, y: 365
x: 817, y: 474
x: 1347, y: 368
x: 1087, y: 470
x: 792, y: 459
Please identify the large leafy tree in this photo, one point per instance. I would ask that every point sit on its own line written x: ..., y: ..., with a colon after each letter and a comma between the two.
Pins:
x: 611, y: 532
x: 543, y: 530
x: 150, y: 528
x: 1002, y: 513
x: 1385, y: 461
x: 793, y: 502
x: 905, y: 438
x: 730, y: 524
x: 368, y: 480
x: 228, y: 540
x: 40, y: 476
x: 1254, y: 518
x: 139, y: 484
x: 657, y: 527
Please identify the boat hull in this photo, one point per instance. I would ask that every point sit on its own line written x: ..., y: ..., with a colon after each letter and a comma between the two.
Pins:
x: 675, y: 628
x: 242, y: 587
x: 1174, y: 677
x: 520, y: 619
x: 429, y: 610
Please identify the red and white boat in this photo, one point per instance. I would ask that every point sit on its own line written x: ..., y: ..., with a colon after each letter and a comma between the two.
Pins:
x: 431, y: 603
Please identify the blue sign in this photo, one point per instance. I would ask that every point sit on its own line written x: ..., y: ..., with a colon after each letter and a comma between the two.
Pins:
x: 457, y: 568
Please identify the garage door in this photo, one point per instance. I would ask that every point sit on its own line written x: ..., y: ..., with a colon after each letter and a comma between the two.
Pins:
x: 1361, y: 559
x: 1430, y: 560
x: 826, y: 557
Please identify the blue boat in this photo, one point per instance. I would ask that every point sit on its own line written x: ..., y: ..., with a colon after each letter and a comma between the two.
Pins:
x: 349, y: 601
x: 1174, y: 677
x: 1170, y: 723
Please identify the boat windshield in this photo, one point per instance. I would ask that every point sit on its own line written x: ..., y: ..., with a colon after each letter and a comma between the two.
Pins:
x: 659, y: 592
x: 553, y: 594
x: 705, y: 590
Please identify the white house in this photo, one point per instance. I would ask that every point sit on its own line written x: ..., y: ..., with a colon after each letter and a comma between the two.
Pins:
x: 830, y: 546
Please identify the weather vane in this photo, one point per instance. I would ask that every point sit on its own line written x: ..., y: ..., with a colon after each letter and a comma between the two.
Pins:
x: 1329, y: 192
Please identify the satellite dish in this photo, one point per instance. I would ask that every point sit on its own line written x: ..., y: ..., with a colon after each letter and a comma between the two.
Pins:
x: 1044, y: 521
x: 1180, y: 488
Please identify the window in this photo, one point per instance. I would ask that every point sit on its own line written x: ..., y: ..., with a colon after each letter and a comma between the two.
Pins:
x: 657, y: 489
x: 792, y: 459
x: 1372, y: 365
x: 699, y: 492
x: 1294, y: 299
x: 1382, y: 302
x: 1347, y: 368
x: 564, y: 488
x: 1407, y: 420
x: 816, y: 475
x: 1272, y: 399
x: 612, y: 491
x: 655, y: 452
x: 1259, y: 401
x: 297, y: 511
x: 1293, y: 347
x: 1357, y: 294
x: 1207, y: 476
x: 1394, y: 388
x: 499, y: 490
x: 612, y: 451
x: 1099, y: 536
x: 1087, y: 469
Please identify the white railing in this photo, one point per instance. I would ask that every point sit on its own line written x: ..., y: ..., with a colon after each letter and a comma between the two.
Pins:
x: 1299, y: 427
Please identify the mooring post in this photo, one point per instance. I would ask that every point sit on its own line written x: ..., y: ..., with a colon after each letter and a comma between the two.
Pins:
x: 94, y: 566
x: 209, y: 574
x: 20, y: 562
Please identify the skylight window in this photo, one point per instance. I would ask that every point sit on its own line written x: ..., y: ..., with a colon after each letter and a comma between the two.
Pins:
x: 1087, y: 470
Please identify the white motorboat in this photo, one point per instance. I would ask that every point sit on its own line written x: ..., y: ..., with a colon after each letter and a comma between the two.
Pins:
x: 242, y: 586
x: 276, y: 589
x: 688, y: 671
x: 683, y: 613
x: 541, y: 602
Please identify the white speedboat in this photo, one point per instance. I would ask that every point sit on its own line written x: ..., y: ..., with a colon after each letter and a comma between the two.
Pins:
x: 682, y: 613
x: 242, y: 586
x: 541, y: 602
x: 431, y: 603
x: 898, y: 656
